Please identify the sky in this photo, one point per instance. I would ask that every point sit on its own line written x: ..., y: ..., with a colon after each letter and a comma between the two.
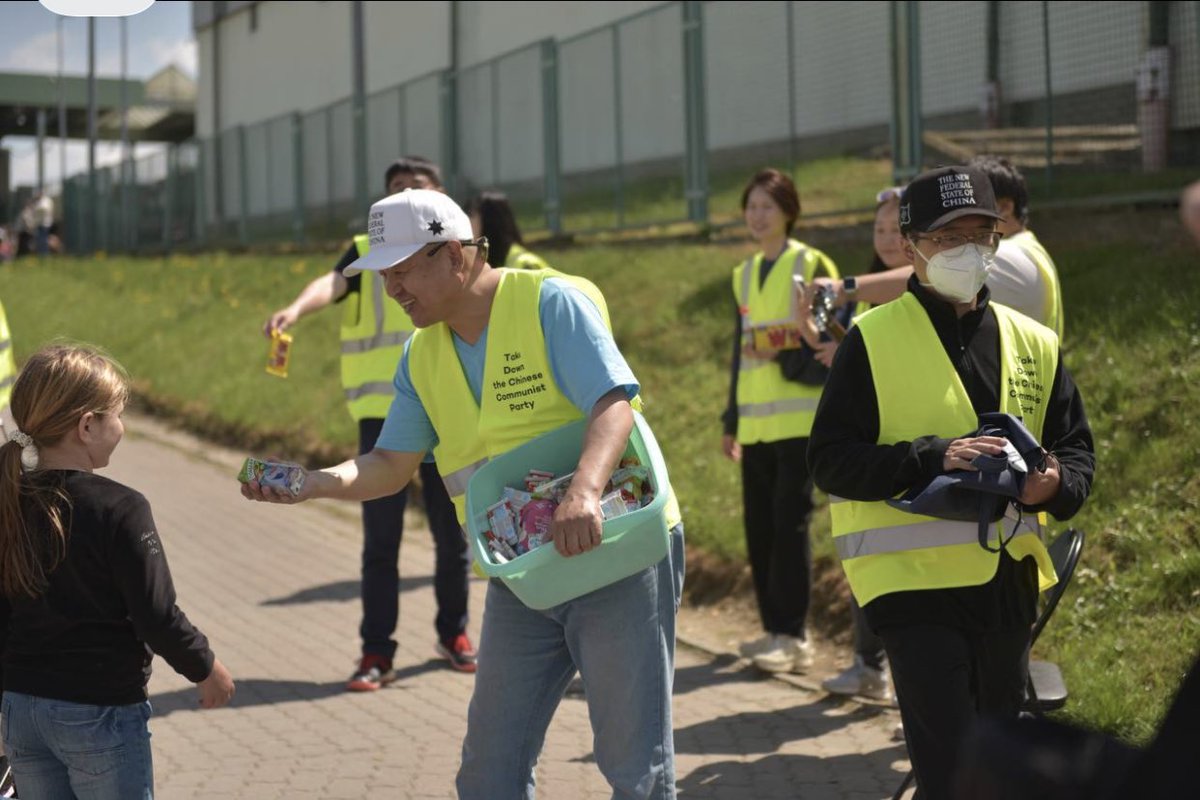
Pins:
x: 159, y: 36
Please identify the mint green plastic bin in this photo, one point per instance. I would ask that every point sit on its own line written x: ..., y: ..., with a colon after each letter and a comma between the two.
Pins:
x: 631, y: 542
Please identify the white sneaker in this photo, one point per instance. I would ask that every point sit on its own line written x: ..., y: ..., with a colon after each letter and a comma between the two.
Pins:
x: 860, y: 680
x: 898, y: 732
x: 752, y: 647
x: 791, y: 654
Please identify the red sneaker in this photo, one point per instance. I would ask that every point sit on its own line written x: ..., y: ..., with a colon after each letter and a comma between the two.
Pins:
x: 373, y: 673
x: 459, y: 651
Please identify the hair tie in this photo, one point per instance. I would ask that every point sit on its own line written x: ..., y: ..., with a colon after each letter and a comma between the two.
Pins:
x: 29, y: 452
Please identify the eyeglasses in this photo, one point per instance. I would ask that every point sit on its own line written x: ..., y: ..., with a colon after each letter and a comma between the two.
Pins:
x: 988, y: 239
x: 480, y: 242
x: 890, y: 193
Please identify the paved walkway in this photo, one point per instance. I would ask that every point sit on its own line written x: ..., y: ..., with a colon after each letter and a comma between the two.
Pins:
x: 275, y: 588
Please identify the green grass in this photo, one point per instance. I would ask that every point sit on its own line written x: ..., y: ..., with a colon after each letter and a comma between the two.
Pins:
x: 827, y: 185
x: 188, y: 330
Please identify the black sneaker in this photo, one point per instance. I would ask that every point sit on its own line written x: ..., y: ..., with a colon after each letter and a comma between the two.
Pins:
x: 373, y: 673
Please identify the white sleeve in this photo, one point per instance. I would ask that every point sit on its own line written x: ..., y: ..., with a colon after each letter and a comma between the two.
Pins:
x: 1016, y: 282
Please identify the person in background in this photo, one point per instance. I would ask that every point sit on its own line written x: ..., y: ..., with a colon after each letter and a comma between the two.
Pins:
x: 373, y: 334
x: 43, y: 218
x: 1189, y: 210
x: 1024, y: 276
x: 87, y: 596
x: 772, y: 398
x: 868, y: 675
x: 492, y: 216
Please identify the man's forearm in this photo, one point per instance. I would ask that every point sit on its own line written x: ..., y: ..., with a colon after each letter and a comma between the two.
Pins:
x: 604, y: 442
x: 320, y: 293
x: 378, y: 473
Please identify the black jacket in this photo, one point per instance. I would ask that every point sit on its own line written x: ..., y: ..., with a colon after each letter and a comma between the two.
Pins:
x: 109, y: 607
x: 846, y: 461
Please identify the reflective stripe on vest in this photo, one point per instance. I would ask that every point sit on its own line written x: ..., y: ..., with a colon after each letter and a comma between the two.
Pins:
x: 770, y: 407
x: 778, y: 407
x: 456, y: 481
x: 374, y: 330
x: 886, y: 550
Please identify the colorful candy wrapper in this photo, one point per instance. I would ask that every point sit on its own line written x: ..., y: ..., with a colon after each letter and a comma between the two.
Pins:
x: 536, y: 477
x: 503, y: 523
x: 279, y: 354
x: 613, y: 505
x: 555, y: 489
x: 516, y: 498
x: 287, y: 477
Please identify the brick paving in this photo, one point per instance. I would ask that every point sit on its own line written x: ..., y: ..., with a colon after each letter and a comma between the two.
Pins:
x: 275, y: 588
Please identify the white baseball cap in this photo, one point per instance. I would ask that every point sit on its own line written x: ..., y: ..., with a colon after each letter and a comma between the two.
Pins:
x: 403, y: 223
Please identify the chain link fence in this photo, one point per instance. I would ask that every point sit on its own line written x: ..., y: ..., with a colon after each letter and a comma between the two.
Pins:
x: 660, y: 118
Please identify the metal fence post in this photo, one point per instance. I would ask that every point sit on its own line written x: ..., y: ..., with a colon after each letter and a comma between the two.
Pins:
x: 906, y: 90
x: 200, y: 194
x: 618, y: 124
x: 447, y: 92
x: 790, y: 20
x: 1049, y: 100
x: 130, y: 225
x: 493, y: 68
x: 298, y: 171
x: 359, y: 112
x: 551, y: 159
x: 696, y: 172
x: 169, y: 196
x: 243, y: 188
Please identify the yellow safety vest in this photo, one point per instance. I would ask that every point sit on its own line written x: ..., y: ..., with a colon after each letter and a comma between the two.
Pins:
x: 374, y: 330
x: 521, y: 258
x: 8, y: 364
x: 770, y: 407
x: 1030, y: 245
x: 519, y: 400
x: 884, y: 549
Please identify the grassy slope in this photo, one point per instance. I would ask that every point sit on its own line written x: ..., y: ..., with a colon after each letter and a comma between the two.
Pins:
x: 187, y: 329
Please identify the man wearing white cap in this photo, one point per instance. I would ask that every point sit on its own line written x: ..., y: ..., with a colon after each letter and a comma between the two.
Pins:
x: 476, y: 325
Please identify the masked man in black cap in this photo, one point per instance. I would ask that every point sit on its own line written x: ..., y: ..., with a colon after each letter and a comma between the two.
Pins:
x: 899, y: 408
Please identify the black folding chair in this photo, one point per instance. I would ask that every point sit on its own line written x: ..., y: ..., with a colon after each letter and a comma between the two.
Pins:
x: 1045, y: 689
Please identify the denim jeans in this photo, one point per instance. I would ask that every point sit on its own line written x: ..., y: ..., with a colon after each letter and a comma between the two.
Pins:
x: 383, y: 528
x: 621, y: 638
x: 63, y: 751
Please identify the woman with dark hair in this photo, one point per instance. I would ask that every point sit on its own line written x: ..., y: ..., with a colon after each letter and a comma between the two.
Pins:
x: 772, y: 399
x: 868, y: 674
x: 492, y: 216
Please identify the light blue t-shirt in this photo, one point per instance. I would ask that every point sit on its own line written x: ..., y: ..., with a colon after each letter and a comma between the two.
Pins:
x: 584, y: 361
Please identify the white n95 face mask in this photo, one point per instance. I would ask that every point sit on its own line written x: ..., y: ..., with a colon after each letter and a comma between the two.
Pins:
x: 960, y: 276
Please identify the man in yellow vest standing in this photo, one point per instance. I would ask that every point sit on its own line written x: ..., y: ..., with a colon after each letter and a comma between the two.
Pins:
x: 373, y: 334
x: 900, y: 407
x: 476, y: 326
x: 1025, y: 277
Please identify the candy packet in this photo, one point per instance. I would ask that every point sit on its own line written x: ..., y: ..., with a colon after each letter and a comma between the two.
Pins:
x: 286, y: 477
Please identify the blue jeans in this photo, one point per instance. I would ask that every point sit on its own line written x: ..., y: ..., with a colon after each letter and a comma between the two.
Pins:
x: 621, y: 638
x: 63, y: 751
x: 383, y: 528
